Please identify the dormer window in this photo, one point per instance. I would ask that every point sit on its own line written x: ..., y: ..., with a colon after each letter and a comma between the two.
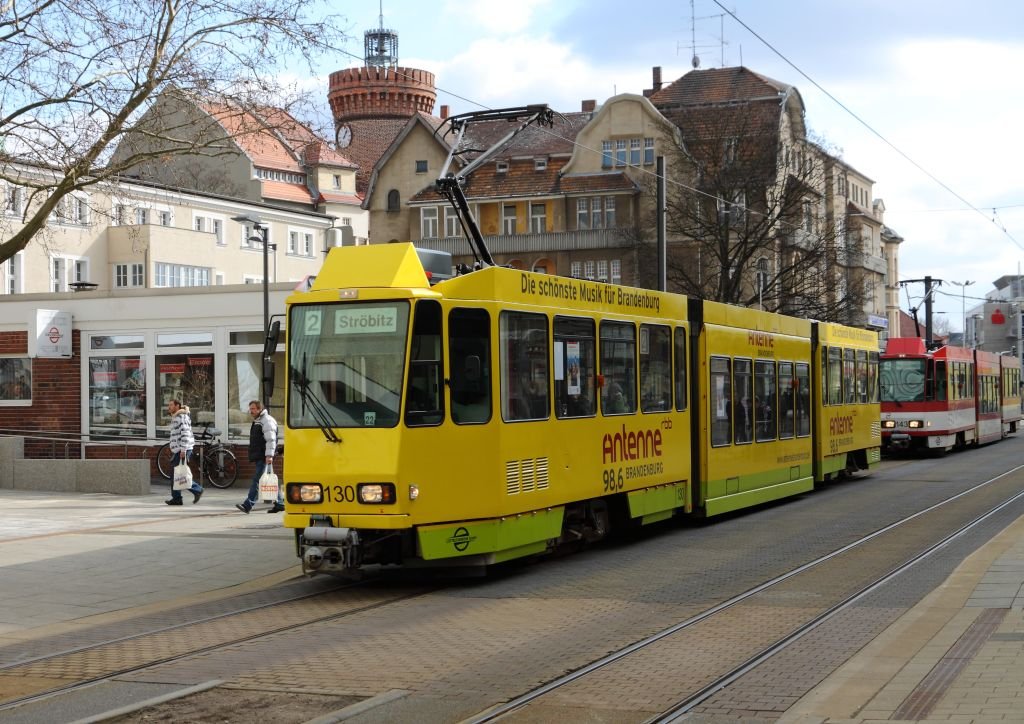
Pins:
x: 540, y: 164
x: 502, y: 166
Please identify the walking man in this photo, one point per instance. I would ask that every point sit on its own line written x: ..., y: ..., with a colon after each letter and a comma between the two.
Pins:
x: 262, y: 446
x: 182, y: 442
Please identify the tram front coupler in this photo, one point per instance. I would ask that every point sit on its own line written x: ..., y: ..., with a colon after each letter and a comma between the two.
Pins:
x: 326, y: 550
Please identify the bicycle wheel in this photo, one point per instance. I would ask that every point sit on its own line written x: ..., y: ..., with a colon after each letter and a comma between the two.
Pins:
x: 163, y: 461
x: 221, y: 467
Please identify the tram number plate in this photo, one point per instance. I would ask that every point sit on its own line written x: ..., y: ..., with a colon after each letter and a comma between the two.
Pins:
x: 613, y: 480
x: 339, y: 494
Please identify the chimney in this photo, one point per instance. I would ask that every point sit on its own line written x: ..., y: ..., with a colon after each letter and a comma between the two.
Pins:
x: 656, y: 78
x: 444, y: 112
x: 588, y: 106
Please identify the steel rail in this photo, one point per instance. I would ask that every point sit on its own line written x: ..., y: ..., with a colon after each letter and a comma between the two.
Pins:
x: 519, y: 702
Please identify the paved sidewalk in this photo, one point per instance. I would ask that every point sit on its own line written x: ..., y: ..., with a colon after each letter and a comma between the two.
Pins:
x: 74, y: 559
x: 958, y: 656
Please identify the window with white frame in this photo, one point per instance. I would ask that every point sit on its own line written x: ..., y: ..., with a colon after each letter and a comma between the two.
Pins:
x: 336, y: 181
x: 609, y: 212
x: 602, y: 270
x: 620, y: 152
x: 508, y: 219
x: 575, y: 269
x: 607, y: 160
x: 129, y: 276
x: 66, y: 270
x: 428, y: 222
x: 588, y: 270
x: 14, y: 200
x: 634, y: 152
x: 120, y: 215
x: 540, y: 164
x: 164, y: 218
x: 596, y: 215
x: 616, y: 272
x: 582, y: 213
x: 141, y: 216
x: 538, y: 218
x: 72, y: 210
x: 452, y: 227
x: 180, y: 275
x: 293, y: 242
x: 648, y: 151
x: 252, y: 238
x: 12, y: 274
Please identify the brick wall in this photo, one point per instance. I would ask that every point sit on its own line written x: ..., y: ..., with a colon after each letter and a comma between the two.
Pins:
x: 56, y: 397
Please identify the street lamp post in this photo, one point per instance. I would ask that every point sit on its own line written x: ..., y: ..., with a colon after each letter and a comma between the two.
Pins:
x: 963, y: 305
x: 261, y: 236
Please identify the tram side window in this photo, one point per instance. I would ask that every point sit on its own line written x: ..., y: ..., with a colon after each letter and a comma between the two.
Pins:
x: 787, y: 400
x: 872, y: 377
x: 765, y: 404
x: 849, y: 376
x: 743, y: 401
x: 655, y: 368
x: 862, y: 376
x: 803, y: 400
x: 618, y: 367
x: 469, y: 365
x: 575, y: 367
x: 524, y: 366
x: 720, y: 400
x: 835, y: 376
x: 680, y: 368
x: 423, y: 405
x: 941, y: 379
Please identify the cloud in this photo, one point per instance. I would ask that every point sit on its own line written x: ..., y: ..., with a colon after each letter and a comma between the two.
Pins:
x: 498, y: 17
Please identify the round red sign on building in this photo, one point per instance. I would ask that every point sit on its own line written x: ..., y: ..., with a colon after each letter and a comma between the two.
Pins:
x: 998, y: 317
x: 54, y: 335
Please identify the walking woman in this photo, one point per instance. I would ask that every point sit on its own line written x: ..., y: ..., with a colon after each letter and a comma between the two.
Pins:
x: 182, y: 442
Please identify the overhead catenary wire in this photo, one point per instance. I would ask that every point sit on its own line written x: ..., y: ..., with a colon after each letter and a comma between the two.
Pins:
x: 868, y: 126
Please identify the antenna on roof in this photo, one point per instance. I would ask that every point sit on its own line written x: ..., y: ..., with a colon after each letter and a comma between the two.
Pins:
x: 695, y: 60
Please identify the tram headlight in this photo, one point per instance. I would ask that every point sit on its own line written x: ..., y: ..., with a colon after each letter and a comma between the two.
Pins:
x: 308, y: 493
x: 382, y: 493
x: 915, y: 424
x: 888, y: 424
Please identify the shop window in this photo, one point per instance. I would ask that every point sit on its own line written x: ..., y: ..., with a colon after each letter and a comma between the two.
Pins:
x: 244, y: 372
x: 15, y: 381
x: 117, y: 396
x: 189, y: 379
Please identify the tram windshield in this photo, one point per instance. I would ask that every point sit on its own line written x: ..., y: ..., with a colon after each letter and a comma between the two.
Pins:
x: 902, y: 380
x: 345, y: 363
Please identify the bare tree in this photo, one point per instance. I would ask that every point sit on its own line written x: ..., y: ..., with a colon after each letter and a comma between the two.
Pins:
x: 76, y: 78
x: 750, y: 221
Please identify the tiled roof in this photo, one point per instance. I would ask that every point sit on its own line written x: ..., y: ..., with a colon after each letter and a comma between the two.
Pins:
x: 523, y: 180
x: 264, y: 148
x: 718, y: 86
x: 318, y: 153
x: 284, y: 191
x: 533, y: 141
x: 370, y: 139
x: 334, y: 197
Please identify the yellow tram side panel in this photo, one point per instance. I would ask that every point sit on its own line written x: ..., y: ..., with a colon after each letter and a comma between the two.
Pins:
x: 737, y: 476
x: 495, y: 486
x: 847, y: 427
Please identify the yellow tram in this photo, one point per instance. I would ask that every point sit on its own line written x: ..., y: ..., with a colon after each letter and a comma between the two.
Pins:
x: 502, y: 413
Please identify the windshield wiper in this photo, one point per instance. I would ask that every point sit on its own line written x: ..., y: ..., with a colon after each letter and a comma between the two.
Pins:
x: 319, y: 412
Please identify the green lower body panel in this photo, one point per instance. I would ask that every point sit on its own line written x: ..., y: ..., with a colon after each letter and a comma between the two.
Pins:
x: 874, y: 456
x: 758, y: 495
x: 510, y: 537
x: 653, y: 504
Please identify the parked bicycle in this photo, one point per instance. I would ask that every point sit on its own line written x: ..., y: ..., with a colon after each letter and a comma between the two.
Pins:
x: 212, y: 460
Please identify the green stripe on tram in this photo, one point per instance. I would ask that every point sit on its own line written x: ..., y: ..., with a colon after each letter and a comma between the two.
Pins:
x: 509, y: 537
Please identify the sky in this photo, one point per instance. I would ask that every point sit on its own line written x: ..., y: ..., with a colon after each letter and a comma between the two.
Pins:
x: 922, y: 97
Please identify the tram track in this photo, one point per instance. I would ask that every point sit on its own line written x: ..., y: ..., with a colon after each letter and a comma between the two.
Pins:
x: 764, y: 651
x: 175, y: 640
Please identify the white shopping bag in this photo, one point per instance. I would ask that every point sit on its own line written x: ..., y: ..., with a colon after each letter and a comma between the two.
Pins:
x: 182, y: 477
x: 268, y: 486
